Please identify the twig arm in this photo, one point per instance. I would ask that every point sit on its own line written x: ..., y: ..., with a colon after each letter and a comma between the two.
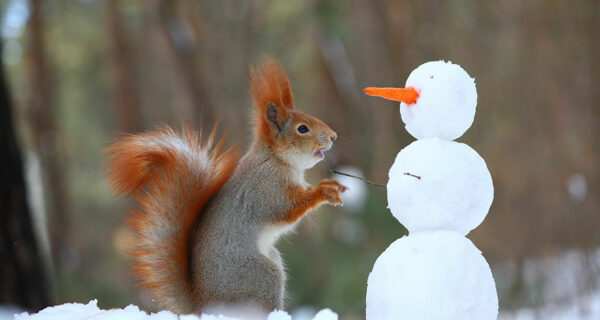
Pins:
x: 357, y: 177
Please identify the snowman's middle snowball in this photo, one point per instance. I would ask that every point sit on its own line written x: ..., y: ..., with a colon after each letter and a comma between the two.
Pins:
x: 438, y: 184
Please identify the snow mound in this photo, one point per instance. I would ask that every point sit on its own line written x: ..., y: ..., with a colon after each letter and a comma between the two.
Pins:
x: 326, y: 314
x: 88, y: 311
x: 82, y: 311
x: 431, y: 275
x: 438, y: 184
x: 278, y: 315
x: 446, y: 104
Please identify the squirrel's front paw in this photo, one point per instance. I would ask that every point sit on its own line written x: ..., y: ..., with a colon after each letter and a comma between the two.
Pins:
x: 333, y: 182
x: 331, y: 189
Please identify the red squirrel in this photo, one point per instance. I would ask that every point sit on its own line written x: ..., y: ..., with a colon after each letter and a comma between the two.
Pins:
x: 208, y: 220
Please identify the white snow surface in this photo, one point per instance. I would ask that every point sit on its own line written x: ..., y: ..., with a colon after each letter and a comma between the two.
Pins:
x: 82, y: 311
x: 74, y: 311
x: 431, y: 275
x: 588, y: 309
x: 446, y: 104
x: 326, y: 314
x: 454, y: 192
x: 7, y: 312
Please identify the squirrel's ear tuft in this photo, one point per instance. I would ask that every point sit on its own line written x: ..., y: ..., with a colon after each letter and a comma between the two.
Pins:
x: 272, y: 96
x: 269, y: 84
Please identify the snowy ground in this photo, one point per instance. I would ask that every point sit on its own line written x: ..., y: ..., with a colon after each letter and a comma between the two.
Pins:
x: 584, y: 308
x: 8, y: 312
x: 564, y: 299
x: 588, y: 308
x: 570, y: 290
x: 74, y: 311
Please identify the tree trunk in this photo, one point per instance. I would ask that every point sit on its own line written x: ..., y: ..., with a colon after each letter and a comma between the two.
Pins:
x: 46, y: 141
x: 126, y: 91
x: 179, y: 54
x: 23, y: 280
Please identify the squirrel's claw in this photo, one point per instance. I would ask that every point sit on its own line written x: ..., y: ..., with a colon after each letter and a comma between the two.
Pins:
x: 333, y: 182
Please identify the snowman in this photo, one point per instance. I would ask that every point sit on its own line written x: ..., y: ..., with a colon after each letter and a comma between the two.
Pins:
x: 439, y: 190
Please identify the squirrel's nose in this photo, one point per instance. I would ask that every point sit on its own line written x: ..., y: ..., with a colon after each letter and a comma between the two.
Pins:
x: 333, y: 137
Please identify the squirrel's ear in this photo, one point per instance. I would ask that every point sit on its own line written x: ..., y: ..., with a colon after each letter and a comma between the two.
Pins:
x: 274, y: 118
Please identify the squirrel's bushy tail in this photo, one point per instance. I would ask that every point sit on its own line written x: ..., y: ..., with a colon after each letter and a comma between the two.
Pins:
x: 172, y: 176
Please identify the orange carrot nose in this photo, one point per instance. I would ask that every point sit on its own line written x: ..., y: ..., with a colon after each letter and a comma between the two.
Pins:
x: 408, y: 95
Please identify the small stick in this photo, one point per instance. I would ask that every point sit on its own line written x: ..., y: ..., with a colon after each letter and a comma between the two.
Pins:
x: 412, y: 175
x: 356, y: 177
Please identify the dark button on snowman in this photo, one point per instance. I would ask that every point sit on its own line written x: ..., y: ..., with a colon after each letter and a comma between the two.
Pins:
x: 439, y: 190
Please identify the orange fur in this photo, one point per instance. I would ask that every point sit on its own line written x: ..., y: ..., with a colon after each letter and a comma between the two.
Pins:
x: 270, y: 84
x: 304, y: 200
x: 172, y: 177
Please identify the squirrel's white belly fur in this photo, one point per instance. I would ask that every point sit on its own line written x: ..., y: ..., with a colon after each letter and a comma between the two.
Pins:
x: 269, y: 236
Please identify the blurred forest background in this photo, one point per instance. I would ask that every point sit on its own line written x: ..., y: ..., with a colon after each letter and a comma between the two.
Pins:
x: 79, y: 72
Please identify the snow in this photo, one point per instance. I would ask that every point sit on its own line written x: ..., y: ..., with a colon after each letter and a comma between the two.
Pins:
x: 446, y: 104
x: 564, y: 285
x: 431, y: 275
x: 131, y: 312
x: 279, y: 315
x: 7, y: 312
x: 308, y: 312
x: 81, y: 311
x: 587, y: 309
x: 453, y: 191
x: 326, y: 314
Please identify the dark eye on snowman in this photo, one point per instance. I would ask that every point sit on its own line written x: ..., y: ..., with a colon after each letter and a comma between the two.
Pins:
x: 303, y: 129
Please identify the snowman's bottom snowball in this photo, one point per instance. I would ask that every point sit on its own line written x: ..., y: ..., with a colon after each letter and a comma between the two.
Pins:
x: 431, y: 275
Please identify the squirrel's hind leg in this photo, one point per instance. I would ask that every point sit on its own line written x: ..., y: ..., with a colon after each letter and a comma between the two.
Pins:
x: 265, y: 281
x: 255, y: 284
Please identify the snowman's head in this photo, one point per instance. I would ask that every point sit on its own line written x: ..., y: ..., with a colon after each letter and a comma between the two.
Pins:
x: 439, y: 100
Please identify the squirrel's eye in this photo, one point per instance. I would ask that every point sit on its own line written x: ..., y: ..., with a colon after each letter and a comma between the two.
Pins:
x: 303, y: 129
